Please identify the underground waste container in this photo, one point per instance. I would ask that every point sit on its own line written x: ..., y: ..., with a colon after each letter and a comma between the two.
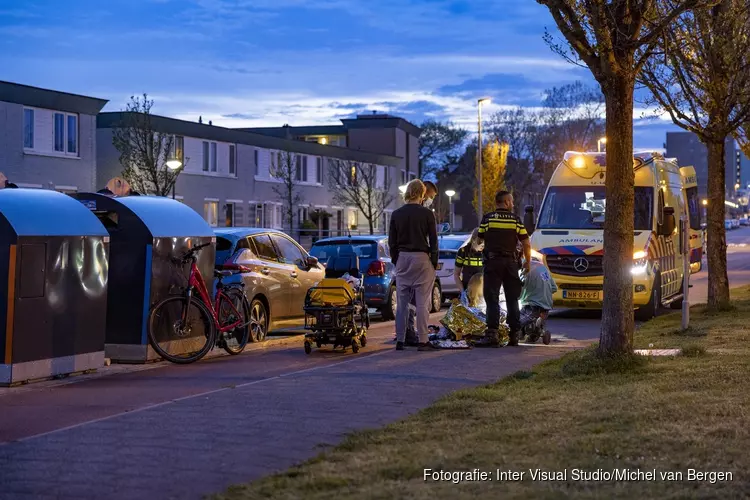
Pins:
x: 53, y: 286
x: 145, y: 232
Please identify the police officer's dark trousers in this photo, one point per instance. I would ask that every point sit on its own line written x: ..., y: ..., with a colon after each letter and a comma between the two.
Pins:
x: 502, y: 271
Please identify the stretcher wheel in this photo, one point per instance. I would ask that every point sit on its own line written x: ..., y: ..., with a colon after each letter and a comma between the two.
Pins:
x: 355, y: 346
x: 308, y: 348
x: 547, y: 337
x: 319, y: 344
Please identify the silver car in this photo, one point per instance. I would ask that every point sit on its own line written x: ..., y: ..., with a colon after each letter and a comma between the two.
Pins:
x: 449, y: 245
x: 277, y: 273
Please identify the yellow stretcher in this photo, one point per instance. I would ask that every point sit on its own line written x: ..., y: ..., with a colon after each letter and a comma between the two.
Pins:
x: 336, y: 313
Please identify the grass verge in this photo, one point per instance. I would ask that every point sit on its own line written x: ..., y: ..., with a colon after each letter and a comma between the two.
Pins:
x: 674, y: 414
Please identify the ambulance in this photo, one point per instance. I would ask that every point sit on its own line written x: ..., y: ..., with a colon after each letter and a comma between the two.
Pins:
x: 697, y: 236
x: 568, y: 233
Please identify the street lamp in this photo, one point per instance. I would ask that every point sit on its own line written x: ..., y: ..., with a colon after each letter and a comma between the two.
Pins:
x: 479, y: 151
x: 451, y: 193
x: 174, y: 164
x: 599, y: 143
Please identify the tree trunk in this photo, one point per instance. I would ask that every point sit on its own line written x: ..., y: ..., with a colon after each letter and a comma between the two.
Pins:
x: 616, y: 336
x: 718, y: 281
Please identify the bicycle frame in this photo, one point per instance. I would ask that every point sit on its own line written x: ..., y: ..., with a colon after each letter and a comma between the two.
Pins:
x: 195, y: 281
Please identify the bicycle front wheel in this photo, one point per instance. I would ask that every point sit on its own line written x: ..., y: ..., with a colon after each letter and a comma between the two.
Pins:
x: 234, y: 309
x: 180, y: 333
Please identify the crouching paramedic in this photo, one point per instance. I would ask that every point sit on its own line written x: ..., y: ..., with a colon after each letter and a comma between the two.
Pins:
x: 469, y: 261
x: 501, y: 231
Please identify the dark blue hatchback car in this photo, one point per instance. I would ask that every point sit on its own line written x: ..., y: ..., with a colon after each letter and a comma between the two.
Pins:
x: 375, y: 266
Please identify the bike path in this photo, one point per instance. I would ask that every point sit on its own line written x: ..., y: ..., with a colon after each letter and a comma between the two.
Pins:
x: 246, y: 428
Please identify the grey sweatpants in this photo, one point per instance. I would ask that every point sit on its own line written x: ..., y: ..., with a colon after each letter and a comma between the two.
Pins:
x: 415, y: 276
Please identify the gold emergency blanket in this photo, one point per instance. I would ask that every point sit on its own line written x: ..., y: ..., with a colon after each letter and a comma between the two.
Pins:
x: 465, y: 322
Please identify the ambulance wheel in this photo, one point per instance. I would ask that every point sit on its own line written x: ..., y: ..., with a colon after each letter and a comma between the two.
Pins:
x: 648, y: 311
x: 308, y: 347
x: 355, y: 346
x: 547, y: 337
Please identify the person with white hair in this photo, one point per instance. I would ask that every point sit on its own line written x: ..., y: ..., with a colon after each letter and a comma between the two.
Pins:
x: 413, y: 242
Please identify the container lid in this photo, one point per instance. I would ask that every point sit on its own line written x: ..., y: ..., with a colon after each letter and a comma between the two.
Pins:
x: 43, y: 212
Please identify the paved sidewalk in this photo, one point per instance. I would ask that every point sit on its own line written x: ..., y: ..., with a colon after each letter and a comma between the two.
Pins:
x: 205, y: 442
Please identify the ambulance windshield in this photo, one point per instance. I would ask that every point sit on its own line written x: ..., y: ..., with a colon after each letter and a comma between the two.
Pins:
x: 584, y: 207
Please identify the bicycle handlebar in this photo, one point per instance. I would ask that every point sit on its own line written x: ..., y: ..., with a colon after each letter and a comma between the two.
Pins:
x: 189, y: 255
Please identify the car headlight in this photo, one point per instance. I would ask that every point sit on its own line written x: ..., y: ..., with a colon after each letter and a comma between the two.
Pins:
x: 640, y: 263
x: 536, y: 256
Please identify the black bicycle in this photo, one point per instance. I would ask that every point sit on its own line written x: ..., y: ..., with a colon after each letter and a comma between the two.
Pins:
x: 183, y: 328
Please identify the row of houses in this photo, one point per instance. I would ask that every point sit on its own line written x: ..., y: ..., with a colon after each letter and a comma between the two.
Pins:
x: 61, y: 141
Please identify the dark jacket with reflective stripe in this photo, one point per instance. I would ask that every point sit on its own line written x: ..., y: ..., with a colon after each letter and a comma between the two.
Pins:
x: 501, y: 231
x: 470, y: 262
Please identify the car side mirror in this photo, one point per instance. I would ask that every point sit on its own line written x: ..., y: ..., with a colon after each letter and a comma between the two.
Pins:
x: 528, y: 219
x: 312, y: 262
x: 668, y: 224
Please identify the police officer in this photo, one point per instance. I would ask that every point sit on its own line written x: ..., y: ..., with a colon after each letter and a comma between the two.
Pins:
x: 501, y: 231
x: 469, y: 261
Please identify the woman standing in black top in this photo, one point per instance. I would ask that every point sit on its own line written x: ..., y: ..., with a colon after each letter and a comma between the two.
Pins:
x: 412, y: 238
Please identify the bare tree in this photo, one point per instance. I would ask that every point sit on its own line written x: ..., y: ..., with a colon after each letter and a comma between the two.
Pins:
x: 570, y: 118
x: 440, y: 144
x: 614, y: 40
x: 285, y: 169
x: 702, y: 79
x: 144, y: 151
x: 364, y: 186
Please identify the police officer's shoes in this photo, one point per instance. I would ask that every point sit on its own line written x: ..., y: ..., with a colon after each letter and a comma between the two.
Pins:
x: 513, y: 342
x: 490, y: 339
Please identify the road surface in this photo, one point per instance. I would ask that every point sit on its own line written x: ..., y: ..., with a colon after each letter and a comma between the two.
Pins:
x: 166, y: 431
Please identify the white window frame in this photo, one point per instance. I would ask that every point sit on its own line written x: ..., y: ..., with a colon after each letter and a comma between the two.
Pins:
x: 65, y: 133
x: 303, y: 213
x: 256, y: 207
x: 206, y: 153
x: 211, y: 202
x: 403, y: 177
x: 350, y: 211
x: 319, y: 170
x: 32, y: 112
x: 214, y: 157
x: 233, y: 160
x: 232, y: 204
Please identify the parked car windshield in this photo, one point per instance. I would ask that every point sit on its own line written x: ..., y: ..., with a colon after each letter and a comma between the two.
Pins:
x: 451, y: 244
x: 584, y: 207
x: 325, y: 250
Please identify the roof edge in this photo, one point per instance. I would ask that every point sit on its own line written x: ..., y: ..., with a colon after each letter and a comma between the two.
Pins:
x: 169, y: 125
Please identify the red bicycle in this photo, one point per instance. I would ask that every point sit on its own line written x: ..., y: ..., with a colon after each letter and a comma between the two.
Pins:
x: 183, y: 328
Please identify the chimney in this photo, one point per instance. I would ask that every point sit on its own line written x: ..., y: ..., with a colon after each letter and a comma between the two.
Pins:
x: 200, y: 119
x: 210, y: 122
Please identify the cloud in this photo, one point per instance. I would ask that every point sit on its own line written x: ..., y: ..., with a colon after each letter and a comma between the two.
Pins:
x: 270, y: 62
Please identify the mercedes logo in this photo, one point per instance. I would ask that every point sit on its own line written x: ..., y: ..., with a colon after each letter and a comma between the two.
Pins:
x: 581, y: 265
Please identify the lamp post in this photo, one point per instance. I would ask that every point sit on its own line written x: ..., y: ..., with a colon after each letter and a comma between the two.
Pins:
x: 599, y: 143
x: 451, y: 193
x: 174, y: 164
x: 479, y: 153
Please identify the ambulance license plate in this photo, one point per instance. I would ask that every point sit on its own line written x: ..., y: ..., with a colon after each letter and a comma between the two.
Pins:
x: 582, y: 294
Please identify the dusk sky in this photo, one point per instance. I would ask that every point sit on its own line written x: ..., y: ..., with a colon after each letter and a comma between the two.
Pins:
x: 271, y: 62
